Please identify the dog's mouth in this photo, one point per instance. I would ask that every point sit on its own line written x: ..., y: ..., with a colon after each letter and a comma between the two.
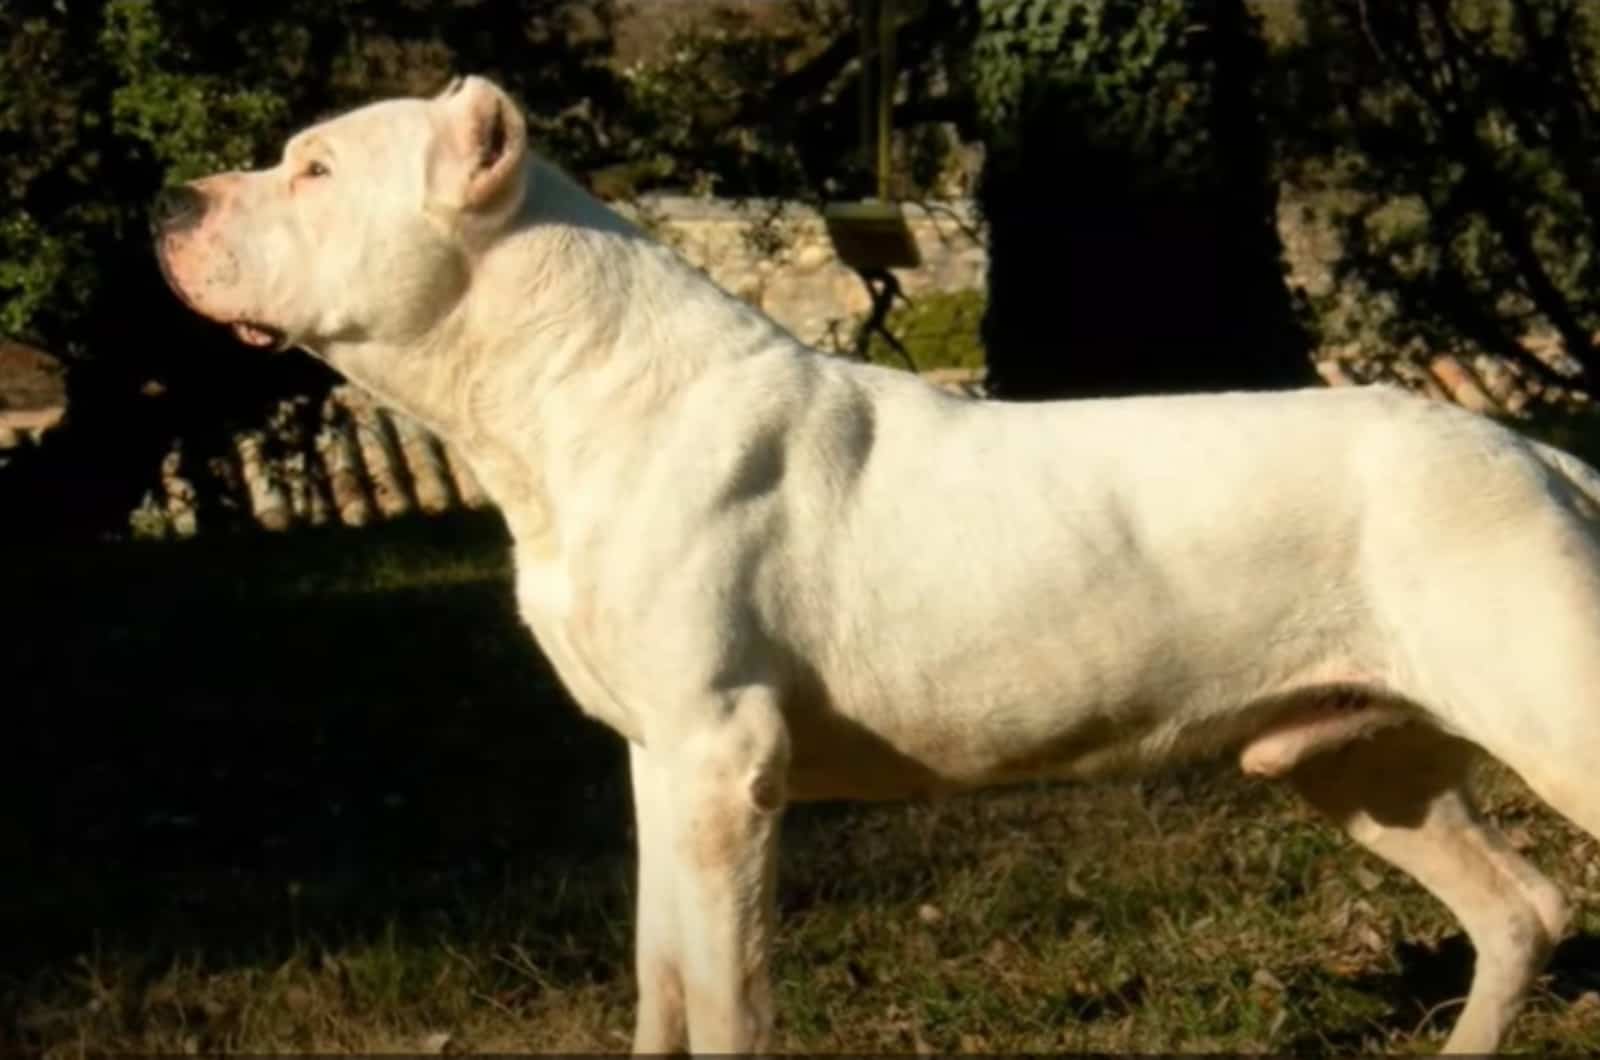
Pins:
x: 250, y: 332
x: 262, y: 336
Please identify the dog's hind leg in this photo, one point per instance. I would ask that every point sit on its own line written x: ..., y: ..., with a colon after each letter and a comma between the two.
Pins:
x: 1402, y: 794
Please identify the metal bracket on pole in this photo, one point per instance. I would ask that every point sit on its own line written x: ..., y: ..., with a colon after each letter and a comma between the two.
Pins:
x: 872, y: 234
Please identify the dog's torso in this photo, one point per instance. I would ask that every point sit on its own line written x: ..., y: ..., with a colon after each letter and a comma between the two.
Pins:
x: 953, y: 593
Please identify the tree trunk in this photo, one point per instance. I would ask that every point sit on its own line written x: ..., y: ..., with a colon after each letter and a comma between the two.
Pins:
x: 1108, y: 277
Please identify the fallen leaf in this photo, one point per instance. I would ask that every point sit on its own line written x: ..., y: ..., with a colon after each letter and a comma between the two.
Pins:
x: 1266, y: 980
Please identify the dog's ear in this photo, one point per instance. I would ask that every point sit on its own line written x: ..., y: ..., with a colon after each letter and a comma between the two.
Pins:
x: 477, y: 162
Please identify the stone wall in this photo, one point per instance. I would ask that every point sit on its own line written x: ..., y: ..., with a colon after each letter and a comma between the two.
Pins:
x: 777, y: 256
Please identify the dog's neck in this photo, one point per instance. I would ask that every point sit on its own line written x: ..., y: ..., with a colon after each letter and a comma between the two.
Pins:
x: 575, y: 326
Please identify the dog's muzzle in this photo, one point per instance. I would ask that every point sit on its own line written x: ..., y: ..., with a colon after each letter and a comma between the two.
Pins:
x: 176, y: 209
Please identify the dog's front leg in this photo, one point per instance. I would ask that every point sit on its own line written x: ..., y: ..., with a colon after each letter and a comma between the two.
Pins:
x: 722, y: 790
x: 661, y: 1025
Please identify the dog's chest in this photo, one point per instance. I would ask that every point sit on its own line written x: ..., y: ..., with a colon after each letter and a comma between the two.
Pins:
x: 555, y: 613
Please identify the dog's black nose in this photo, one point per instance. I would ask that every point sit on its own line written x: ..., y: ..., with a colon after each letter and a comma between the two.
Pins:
x: 177, y: 208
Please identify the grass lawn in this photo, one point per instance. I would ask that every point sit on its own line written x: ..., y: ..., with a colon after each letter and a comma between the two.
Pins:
x: 320, y: 793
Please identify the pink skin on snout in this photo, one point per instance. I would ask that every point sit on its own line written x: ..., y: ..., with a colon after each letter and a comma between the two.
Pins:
x: 202, y: 263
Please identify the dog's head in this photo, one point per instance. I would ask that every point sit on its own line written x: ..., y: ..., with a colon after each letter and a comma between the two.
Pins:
x: 366, y: 228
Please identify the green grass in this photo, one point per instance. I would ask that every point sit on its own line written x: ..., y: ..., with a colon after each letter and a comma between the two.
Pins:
x: 320, y: 793
x: 940, y: 329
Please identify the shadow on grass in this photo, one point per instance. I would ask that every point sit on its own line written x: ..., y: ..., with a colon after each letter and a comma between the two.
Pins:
x: 233, y: 746
x: 1425, y: 993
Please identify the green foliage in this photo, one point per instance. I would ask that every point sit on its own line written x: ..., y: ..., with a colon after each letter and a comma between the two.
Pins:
x: 192, y: 123
x: 33, y: 270
x: 50, y: 135
x: 1459, y: 136
x: 683, y: 106
x: 1125, y: 75
x: 763, y: 99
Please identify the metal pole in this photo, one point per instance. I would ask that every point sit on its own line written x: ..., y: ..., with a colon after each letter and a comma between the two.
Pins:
x: 866, y: 26
x: 885, y: 92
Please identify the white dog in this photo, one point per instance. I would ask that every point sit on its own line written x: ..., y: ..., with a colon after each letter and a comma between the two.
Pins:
x: 784, y: 576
